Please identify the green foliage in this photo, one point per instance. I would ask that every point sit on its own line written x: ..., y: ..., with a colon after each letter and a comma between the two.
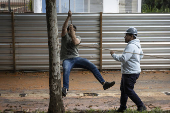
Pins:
x: 155, y: 6
x: 157, y: 110
x: 30, y: 5
x: 91, y: 111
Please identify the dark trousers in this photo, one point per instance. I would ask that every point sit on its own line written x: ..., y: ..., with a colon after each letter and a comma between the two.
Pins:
x: 127, y: 85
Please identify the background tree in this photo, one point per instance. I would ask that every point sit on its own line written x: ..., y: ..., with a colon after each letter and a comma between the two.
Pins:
x: 56, y: 102
x: 155, y: 6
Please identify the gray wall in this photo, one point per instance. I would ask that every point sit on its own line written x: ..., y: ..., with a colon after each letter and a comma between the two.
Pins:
x: 31, y: 41
x: 128, y: 6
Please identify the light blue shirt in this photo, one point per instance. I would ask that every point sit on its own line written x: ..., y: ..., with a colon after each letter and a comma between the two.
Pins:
x: 130, y: 63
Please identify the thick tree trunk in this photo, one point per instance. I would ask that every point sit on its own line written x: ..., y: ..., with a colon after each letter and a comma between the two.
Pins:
x: 56, y: 102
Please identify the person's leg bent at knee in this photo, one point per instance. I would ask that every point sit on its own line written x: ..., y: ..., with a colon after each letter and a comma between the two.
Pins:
x: 84, y: 63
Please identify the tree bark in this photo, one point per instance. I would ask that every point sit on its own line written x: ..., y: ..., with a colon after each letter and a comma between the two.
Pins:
x: 56, y: 102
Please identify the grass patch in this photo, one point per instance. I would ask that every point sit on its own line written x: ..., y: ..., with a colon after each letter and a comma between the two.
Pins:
x: 155, y: 110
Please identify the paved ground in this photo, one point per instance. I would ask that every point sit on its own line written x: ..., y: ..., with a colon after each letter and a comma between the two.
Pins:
x: 153, y: 87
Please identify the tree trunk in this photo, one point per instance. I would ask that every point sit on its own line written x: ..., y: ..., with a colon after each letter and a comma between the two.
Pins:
x: 56, y: 102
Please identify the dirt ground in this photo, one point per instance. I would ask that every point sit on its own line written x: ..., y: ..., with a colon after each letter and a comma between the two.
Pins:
x: 29, y: 91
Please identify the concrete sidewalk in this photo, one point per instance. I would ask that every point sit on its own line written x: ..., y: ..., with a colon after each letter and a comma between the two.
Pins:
x: 30, y: 91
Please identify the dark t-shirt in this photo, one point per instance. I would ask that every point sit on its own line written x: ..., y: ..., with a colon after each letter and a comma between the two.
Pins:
x: 68, y: 49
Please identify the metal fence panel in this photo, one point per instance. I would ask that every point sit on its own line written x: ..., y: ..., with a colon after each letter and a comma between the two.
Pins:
x: 31, y: 38
x: 153, y: 32
x: 6, y: 52
x: 31, y: 41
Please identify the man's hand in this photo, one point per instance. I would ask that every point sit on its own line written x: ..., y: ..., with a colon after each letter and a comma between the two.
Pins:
x: 111, y: 52
x: 69, y: 13
x: 64, y: 28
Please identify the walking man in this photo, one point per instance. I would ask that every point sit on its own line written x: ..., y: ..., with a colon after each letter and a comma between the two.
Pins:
x: 130, y: 69
x: 70, y: 57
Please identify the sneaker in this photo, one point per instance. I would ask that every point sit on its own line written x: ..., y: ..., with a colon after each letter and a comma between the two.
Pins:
x: 121, y: 109
x: 64, y: 92
x: 142, y: 108
x: 107, y: 85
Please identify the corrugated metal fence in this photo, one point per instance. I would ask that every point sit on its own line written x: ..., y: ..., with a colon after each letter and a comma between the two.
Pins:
x: 26, y: 36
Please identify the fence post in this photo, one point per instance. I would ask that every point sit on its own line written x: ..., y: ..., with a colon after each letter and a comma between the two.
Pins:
x: 9, y: 6
x: 24, y: 6
x: 101, y: 41
x: 13, y: 41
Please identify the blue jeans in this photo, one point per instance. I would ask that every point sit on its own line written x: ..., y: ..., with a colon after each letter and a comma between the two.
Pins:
x: 127, y: 85
x: 79, y: 62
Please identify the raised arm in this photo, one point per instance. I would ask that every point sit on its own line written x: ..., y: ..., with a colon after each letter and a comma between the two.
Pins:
x: 75, y: 40
x: 64, y: 28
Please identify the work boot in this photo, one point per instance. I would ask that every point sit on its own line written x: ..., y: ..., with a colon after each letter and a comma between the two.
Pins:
x: 142, y: 108
x: 64, y: 92
x: 107, y: 85
x: 121, y: 109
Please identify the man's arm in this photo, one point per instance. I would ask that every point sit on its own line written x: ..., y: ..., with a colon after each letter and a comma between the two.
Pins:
x: 125, y: 56
x: 75, y: 40
x: 64, y: 28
